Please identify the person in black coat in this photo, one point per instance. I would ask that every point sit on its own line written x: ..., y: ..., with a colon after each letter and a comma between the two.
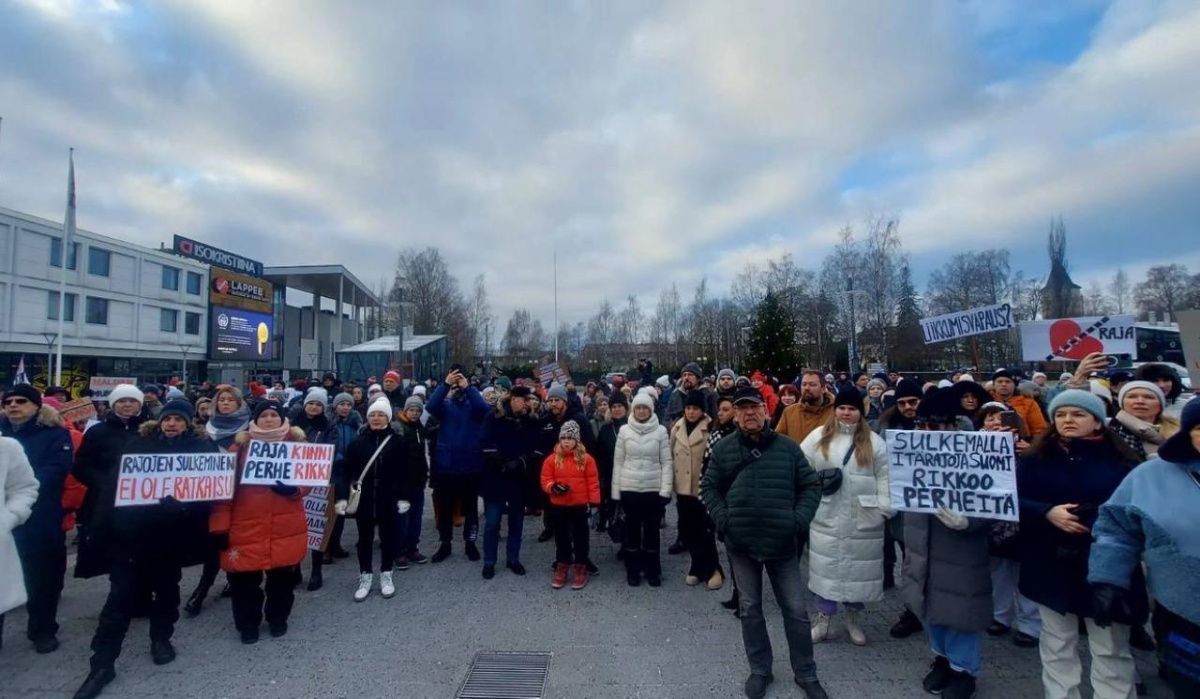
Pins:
x: 149, y: 543
x: 413, y: 441
x: 558, y: 412
x: 1062, y: 480
x: 512, y: 447
x: 606, y: 446
x: 41, y: 544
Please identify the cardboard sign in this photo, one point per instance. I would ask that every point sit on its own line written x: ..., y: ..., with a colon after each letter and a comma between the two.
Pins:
x: 144, y: 479
x: 316, y: 514
x: 78, y: 410
x: 293, y: 463
x: 1072, y: 339
x: 971, y: 473
x: 976, y: 321
x: 1189, y: 337
x: 553, y: 373
x: 103, y: 385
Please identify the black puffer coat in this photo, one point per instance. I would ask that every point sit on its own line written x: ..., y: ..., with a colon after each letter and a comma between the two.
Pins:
x: 96, y: 466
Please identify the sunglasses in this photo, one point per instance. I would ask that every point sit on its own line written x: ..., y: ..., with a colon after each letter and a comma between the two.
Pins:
x: 15, y: 401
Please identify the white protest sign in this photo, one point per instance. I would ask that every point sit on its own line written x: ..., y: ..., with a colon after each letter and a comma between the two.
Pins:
x: 316, y: 511
x: 1072, y: 339
x: 976, y: 321
x: 144, y: 479
x: 972, y: 473
x: 101, y: 386
x: 292, y: 463
x: 1189, y: 337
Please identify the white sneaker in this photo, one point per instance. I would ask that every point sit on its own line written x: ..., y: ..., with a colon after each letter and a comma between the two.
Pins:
x: 821, y: 628
x: 365, y: 581
x: 386, y: 587
x: 857, y: 637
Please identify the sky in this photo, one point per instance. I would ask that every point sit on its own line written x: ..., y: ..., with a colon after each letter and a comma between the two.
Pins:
x: 646, y: 143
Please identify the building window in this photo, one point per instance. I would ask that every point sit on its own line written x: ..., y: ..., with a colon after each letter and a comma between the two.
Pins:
x: 97, y: 311
x: 56, y: 247
x: 99, y: 260
x: 168, y: 320
x: 193, y: 283
x: 191, y: 323
x: 52, y: 307
x: 170, y: 278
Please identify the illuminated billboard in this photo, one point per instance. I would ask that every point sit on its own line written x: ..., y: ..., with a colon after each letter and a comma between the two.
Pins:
x: 239, y: 334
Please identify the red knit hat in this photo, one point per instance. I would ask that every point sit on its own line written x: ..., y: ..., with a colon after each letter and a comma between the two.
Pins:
x: 393, y: 375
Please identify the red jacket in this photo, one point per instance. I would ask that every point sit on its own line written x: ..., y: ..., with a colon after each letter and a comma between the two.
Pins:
x: 584, y: 482
x: 266, y: 530
x: 73, y: 490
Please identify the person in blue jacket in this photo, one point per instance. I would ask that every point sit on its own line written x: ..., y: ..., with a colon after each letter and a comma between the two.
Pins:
x: 460, y: 410
x: 512, y: 448
x: 41, y: 543
x: 1152, y: 517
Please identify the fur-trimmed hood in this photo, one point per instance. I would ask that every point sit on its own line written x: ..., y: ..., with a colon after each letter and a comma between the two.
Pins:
x: 295, y: 434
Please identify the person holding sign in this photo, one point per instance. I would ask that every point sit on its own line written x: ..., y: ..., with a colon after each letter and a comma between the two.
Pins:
x: 149, y: 544
x: 845, y: 540
x: 262, y: 533
x: 1062, y: 480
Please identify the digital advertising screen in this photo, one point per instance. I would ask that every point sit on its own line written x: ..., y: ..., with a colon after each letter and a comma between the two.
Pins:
x: 238, y: 334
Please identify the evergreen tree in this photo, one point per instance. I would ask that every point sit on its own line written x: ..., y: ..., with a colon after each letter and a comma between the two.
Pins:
x: 772, y: 339
x: 908, y: 344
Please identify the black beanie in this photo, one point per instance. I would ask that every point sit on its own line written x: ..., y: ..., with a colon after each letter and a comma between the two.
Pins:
x: 618, y: 398
x: 851, y: 397
x: 266, y: 405
x: 940, y: 406
x: 696, y: 399
x: 692, y: 368
x: 24, y: 390
x: 1002, y: 374
x: 907, y: 388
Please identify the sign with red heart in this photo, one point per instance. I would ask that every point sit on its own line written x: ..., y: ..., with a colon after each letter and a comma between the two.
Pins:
x: 1072, y: 339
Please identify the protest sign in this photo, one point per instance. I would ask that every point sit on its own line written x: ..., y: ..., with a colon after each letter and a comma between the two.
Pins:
x: 316, y: 510
x: 101, y: 386
x: 78, y: 410
x: 144, y: 479
x: 976, y: 321
x: 1189, y: 337
x: 972, y: 473
x: 553, y: 373
x: 1072, y: 339
x: 292, y: 463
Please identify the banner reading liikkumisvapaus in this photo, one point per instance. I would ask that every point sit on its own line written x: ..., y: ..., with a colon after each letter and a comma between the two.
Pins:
x: 972, y: 473
x: 976, y: 321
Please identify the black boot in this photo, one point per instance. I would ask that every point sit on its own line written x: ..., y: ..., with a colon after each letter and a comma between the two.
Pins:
x: 677, y: 548
x: 442, y: 553
x: 546, y: 535
x: 633, y: 568
x: 732, y: 603
x: 95, y: 683
x: 162, y: 652
x: 195, y: 603
x: 907, y: 625
x: 472, y: 551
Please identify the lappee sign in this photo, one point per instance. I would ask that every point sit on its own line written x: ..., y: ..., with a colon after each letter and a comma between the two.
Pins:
x: 976, y: 321
x: 290, y: 463
x: 231, y: 289
x: 1073, y: 339
x: 216, y: 256
x: 144, y: 479
x: 971, y: 473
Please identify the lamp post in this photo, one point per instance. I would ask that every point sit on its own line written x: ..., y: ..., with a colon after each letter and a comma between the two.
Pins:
x: 50, y: 339
x: 185, y: 349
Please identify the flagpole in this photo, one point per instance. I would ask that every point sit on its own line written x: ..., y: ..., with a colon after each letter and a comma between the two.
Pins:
x: 68, y: 241
x: 555, y: 305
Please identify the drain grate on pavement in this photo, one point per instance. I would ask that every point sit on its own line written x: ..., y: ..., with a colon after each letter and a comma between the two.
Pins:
x: 506, y: 675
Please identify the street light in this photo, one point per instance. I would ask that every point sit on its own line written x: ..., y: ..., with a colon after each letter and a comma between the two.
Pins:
x: 185, y: 349
x: 50, y: 338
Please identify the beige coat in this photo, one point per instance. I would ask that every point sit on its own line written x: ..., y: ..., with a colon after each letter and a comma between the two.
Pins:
x: 687, y: 451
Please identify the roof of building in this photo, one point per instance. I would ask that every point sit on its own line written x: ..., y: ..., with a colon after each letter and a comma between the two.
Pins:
x: 323, y: 280
x: 387, y: 343
x: 1059, y: 278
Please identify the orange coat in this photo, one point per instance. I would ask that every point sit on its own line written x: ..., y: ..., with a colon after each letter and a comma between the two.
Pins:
x: 584, y: 482
x: 266, y: 530
x: 1030, y: 412
x: 73, y: 490
x: 799, y: 419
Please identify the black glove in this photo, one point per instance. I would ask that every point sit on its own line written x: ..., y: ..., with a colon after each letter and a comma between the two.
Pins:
x: 1109, y: 604
x: 220, y: 541
x: 560, y: 488
x: 514, y: 466
x: 170, y: 505
x: 287, y: 491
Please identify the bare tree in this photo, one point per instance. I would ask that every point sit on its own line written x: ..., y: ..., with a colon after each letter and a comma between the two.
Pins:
x: 480, y: 314
x: 1120, y: 291
x: 1095, y: 302
x: 516, y: 334
x: 602, y: 326
x: 1165, y: 290
x: 664, y: 327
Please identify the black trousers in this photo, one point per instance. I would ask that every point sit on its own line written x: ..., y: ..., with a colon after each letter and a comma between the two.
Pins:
x: 208, y: 575
x: 697, y: 532
x: 449, y: 489
x: 126, y: 582
x: 44, y: 571
x: 247, y: 595
x: 571, y: 535
x: 385, y: 521
x: 643, y: 513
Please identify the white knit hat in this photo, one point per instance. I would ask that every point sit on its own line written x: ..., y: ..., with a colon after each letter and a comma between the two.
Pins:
x: 642, y: 399
x: 381, y: 405
x: 966, y: 377
x: 1144, y: 385
x: 125, y: 390
x: 317, y: 395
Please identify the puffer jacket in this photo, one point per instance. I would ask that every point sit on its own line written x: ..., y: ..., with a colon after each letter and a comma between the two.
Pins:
x: 845, y: 539
x: 18, y: 493
x: 642, y: 459
x: 583, y: 481
x: 48, y: 446
x: 461, y: 419
x: 947, y: 574
x: 266, y: 530
x: 760, y: 504
x: 687, y: 453
x: 97, y: 464
x: 393, y: 474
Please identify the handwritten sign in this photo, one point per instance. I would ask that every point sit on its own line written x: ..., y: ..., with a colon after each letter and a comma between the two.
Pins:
x: 293, y: 463
x: 78, y: 410
x: 1073, y: 339
x: 316, y: 514
x: 971, y: 473
x: 144, y: 479
x: 553, y: 372
x: 976, y: 321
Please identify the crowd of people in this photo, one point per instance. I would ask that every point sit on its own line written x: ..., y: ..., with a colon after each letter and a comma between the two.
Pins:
x: 1108, y: 478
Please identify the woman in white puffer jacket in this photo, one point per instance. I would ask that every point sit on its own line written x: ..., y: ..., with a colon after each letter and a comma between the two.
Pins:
x: 18, y: 492
x: 642, y: 481
x: 845, y: 540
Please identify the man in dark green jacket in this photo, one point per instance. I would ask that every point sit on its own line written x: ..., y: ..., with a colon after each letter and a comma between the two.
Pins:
x: 762, y: 494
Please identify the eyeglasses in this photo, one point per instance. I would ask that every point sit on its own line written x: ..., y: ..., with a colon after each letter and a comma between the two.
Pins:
x: 15, y: 401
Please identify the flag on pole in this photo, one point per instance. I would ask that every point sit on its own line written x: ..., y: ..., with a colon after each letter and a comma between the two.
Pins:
x: 69, y: 219
x: 21, y: 377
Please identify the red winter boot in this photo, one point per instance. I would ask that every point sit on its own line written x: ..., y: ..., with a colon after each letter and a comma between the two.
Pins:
x: 560, y: 576
x: 580, y: 579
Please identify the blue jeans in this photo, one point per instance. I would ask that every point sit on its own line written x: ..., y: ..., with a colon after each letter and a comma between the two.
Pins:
x: 408, y: 525
x: 964, y: 649
x: 493, y: 512
x: 785, y: 579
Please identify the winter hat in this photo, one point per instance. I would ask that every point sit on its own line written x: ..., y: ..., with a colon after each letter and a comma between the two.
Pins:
x: 487, y: 391
x: 829, y: 378
x: 317, y: 395
x: 418, y: 390
x: 643, y: 399
x: 175, y: 394
x: 1027, y: 388
x: 178, y: 407
x: 125, y: 390
x: 693, y: 369
x: 380, y: 405
x: 994, y: 404
x: 850, y: 397
x: 944, y: 383
x: 663, y: 381
x: 695, y: 399
x: 151, y: 388
x: 26, y: 391
x: 742, y: 381
x: 1101, y: 390
x: 412, y: 402
x: 877, y: 382
x: 966, y: 377
x: 376, y: 388
x: 907, y: 388
x: 503, y: 383
x: 1084, y: 400
x: 569, y: 430
x: 1147, y: 385
x: 1066, y: 376
x: 1037, y: 374
x: 747, y: 395
x: 649, y: 391
x: 617, y: 398
x: 520, y: 392
x: 757, y: 376
x: 257, y: 389
x: 1179, y: 449
x: 557, y: 391
x: 343, y: 398
x: 1002, y: 374
x: 726, y: 372
x: 51, y: 402
x: 939, y: 406
x: 266, y: 405
x: 278, y: 395
x: 393, y: 375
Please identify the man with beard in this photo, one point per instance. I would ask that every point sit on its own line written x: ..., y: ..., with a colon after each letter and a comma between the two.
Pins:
x: 811, y: 411
x: 901, y: 416
x: 1004, y: 389
x: 559, y: 412
x: 726, y: 384
x: 690, y: 381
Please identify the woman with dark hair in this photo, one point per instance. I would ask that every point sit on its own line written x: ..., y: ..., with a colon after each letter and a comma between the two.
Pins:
x: 1168, y: 382
x: 1062, y: 479
x: 788, y: 395
x: 719, y: 429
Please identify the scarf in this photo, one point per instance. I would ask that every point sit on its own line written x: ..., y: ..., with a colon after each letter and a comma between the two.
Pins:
x: 275, y: 435
x: 223, y: 427
x: 1143, y: 436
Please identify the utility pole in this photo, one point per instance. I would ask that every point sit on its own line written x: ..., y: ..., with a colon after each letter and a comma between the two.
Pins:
x: 556, y: 306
